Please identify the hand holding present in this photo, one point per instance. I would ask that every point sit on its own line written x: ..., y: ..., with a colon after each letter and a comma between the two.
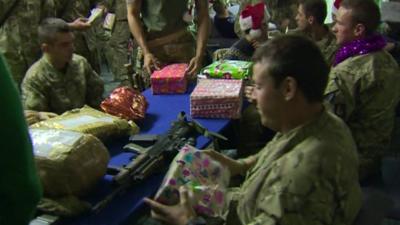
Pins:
x: 180, y: 214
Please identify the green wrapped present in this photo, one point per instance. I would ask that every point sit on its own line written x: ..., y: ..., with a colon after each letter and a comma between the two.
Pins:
x: 228, y: 69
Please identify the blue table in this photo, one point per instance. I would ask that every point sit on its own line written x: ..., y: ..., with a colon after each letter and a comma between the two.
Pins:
x: 163, y: 109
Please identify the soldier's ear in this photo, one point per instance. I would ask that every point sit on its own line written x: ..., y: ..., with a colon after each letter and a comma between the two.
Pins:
x: 359, y: 30
x: 289, y: 88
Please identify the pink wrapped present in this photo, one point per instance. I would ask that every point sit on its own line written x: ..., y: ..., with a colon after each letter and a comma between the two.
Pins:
x: 205, y: 178
x: 217, y: 98
x: 169, y: 80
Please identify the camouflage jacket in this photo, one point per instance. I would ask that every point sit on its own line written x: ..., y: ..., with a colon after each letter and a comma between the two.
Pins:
x: 306, y: 176
x: 18, y: 34
x: 364, y: 91
x: 327, y: 44
x: 46, y: 89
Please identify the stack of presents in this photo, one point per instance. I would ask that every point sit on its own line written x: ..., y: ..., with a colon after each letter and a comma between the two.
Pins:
x: 71, y: 156
x: 217, y: 94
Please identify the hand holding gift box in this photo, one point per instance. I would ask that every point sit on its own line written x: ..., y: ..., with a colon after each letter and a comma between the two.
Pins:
x: 205, y: 178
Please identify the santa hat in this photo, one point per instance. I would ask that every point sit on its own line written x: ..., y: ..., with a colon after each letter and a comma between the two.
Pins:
x: 336, y: 5
x: 252, y: 17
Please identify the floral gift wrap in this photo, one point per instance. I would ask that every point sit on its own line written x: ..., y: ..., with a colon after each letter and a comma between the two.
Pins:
x: 228, y: 69
x: 217, y: 98
x: 205, y: 178
x: 169, y: 80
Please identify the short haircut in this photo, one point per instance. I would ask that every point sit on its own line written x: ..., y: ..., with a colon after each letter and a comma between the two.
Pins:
x: 49, y: 27
x: 365, y: 12
x: 298, y: 57
x: 315, y: 8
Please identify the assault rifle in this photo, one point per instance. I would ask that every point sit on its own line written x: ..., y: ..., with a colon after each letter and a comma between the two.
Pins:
x: 153, y: 158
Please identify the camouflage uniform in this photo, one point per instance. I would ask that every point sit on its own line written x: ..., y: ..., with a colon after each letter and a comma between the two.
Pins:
x: 116, y: 48
x: 278, y: 9
x: 85, y: 41
x: 327, y: 44
x: 364, y: 91
x: 46, y: 89
x: 163, y: 19
x: 328, y: 47
x: 307, y: 176
x: 18, y: 35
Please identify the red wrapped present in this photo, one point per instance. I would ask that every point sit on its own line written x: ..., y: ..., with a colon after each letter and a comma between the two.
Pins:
x: 169, y: 80
x: 126, y: 103
x: 217, y: 98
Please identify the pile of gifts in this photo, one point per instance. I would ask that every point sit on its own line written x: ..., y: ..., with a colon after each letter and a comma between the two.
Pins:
x: 217, y: 95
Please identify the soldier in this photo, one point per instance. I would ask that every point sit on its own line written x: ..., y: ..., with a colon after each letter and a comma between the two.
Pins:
x: 60, y: 80
x: 308, y: 173
x: 252, y: 136
x: 20, y: 186
x: 310, y: 19
x: 253, y: 22
x: 116, y: 48
x: 18, y: 34
x: 85, y: 40
x: 364, y: 81
x: 282, y: 13
x: 164, y: 37
x: 18, y: 41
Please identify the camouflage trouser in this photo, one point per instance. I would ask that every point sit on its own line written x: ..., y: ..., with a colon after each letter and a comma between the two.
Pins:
x: 178, y: 50
x: 17, y: 65
x: 82, y: 47
x: 19, y: 50
x: 116, y: 50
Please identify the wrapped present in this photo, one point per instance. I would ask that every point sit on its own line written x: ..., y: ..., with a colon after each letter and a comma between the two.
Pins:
x: 205, y: 178
x: 228, y: 69
x: 217, y: 98
x: 126, y: 103
x: 68, y: 162
x: 169, y: 80
x: 91, y: 121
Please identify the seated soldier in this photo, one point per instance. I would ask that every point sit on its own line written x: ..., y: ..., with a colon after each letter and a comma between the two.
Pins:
x: 224, y: 21
x: 310, y: 19
x: 308, y: 173
x: 254, y: 24
x: 364, y: 81
x: 60, y: 80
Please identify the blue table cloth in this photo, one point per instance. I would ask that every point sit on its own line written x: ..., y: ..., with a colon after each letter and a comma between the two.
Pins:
x: 162, y: 111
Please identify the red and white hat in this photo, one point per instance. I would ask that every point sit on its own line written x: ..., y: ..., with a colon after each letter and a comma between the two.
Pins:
x: 336, y: 5
x: 252, y: 17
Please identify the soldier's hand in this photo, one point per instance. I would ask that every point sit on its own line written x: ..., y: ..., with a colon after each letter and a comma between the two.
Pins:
x: 151, y: 63
x: 179, y: 214
x: 31, y: 116
x: 235, y: 167
x: 194, y: 67
x: 80, y: 24
x: 46, y: 115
